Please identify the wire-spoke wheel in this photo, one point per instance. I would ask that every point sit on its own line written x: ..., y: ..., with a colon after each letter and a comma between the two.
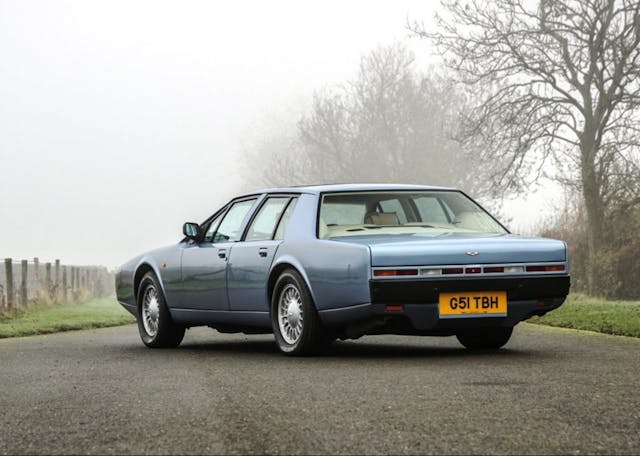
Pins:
x: 290, y: 314
x: 296, y: 324
x: 155, y: 325
x: 150, y: 311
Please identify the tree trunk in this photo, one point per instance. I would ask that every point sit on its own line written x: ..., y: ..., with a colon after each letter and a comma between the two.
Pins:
x: 595, y: 215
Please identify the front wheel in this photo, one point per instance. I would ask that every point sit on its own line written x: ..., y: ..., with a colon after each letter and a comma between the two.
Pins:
x: 485, y: 339
x: 296, y: 325
x: 157, y: 329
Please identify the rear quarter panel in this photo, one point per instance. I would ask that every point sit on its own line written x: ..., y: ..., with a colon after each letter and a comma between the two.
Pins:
x: 337, y: 273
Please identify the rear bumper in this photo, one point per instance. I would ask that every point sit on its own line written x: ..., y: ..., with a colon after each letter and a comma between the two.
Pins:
x: 428, y: 291
x: 425, y: 318
x: 415, y: 305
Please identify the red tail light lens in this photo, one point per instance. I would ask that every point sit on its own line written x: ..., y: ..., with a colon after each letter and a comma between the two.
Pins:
x: 394, y: 272
x: 546, y: 268
x: 393, y: 308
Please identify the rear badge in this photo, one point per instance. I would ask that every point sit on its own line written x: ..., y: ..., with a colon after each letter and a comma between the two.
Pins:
x: 472, y: 253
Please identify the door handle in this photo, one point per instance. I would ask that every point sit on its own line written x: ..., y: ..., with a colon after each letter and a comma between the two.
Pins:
x: 222, y: 253
x: 262, y: 252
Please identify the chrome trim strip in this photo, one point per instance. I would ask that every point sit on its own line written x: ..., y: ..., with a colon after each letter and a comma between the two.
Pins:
x: 422, y: 275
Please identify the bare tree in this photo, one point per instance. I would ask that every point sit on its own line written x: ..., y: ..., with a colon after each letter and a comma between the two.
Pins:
x: 390, y: 124
x: 557, y: 83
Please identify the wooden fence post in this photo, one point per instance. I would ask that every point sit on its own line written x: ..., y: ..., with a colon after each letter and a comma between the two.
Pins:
x: 76, y: 285
x: 24, y: 299
x: 56, y: 287
x: 64, y: 284
x: 9, y: 283
x: 36, y: 269
x: 47, y: 279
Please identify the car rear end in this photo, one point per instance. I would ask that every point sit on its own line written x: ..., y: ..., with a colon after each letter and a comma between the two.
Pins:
x: 483, y: 284
x: 440, y: 264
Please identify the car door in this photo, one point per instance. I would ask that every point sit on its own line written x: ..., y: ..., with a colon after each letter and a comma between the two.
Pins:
x: 250, y: 260
x: 204, y: 264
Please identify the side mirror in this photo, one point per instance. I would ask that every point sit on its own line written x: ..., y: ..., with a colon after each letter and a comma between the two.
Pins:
x: 192, y: 231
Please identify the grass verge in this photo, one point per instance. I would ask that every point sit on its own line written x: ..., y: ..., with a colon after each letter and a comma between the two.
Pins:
x: 593, y: 314
x: 45, y: 319
x: 578, y: 312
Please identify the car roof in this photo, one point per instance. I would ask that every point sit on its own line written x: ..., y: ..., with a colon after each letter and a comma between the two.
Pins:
x: 324, y: 188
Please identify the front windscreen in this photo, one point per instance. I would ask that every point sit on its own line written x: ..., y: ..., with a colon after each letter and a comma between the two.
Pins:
x: 401, y: 212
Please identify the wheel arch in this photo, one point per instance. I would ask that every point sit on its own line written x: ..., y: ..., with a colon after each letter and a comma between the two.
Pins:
x: 281, y: 266
x: 142, y: 269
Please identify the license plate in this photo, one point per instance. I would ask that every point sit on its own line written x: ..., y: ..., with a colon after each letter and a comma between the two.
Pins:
x: 473, y: 304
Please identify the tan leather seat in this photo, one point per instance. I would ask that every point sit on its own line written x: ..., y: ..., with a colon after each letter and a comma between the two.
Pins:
x: 381, y: 218
x: 323, y: 229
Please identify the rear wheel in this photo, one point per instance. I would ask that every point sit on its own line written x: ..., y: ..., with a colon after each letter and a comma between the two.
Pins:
x: 296, y: 324
x: 485, y: 338
x: 157, y: 329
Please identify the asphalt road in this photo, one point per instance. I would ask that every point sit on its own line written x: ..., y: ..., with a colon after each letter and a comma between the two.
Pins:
x: 550, y: 391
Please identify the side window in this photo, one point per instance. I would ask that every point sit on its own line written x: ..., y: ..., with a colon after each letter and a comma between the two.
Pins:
x: 393, y: 205
x: 229, y: 229
x: 213, y: 226
x: 431, y: 210
x: 284, y: 221
x: 265, y: 221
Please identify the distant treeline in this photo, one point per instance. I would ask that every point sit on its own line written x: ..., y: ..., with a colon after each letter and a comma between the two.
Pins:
x: 27, y: 282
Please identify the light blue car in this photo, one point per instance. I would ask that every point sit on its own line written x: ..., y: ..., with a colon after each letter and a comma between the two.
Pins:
x: 313, y: 264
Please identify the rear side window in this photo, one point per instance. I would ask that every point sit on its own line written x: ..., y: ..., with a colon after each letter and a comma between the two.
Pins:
x: 284, y: 221
x: 264, y: 223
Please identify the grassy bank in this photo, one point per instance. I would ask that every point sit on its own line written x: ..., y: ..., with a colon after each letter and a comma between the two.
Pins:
x: 49, y: 319
x: 593, y: 314
x: 578, y: 312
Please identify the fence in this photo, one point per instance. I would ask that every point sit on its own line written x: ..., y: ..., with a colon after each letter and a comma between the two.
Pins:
x: 23, y: 283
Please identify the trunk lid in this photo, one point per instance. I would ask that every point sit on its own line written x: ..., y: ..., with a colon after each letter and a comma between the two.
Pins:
x: 452, y: 248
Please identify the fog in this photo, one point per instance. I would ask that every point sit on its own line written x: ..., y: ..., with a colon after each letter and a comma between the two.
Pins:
x: 120, y: 120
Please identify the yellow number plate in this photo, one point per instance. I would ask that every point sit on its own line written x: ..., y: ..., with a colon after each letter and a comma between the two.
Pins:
x: 473, y: 304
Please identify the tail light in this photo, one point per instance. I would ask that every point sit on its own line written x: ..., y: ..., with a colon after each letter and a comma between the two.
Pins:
x: 546, y: 268
x: 394, y: 272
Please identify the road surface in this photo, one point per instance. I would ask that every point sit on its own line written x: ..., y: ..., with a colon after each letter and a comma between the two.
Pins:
x: 101, y: 391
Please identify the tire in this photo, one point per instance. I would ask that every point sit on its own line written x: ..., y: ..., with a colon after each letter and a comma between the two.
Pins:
x: 295, y: 321
x: 485, y: 339
x: 157, y: 329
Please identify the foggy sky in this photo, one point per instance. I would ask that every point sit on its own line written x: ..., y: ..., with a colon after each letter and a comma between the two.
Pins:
x: 120, y: 120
